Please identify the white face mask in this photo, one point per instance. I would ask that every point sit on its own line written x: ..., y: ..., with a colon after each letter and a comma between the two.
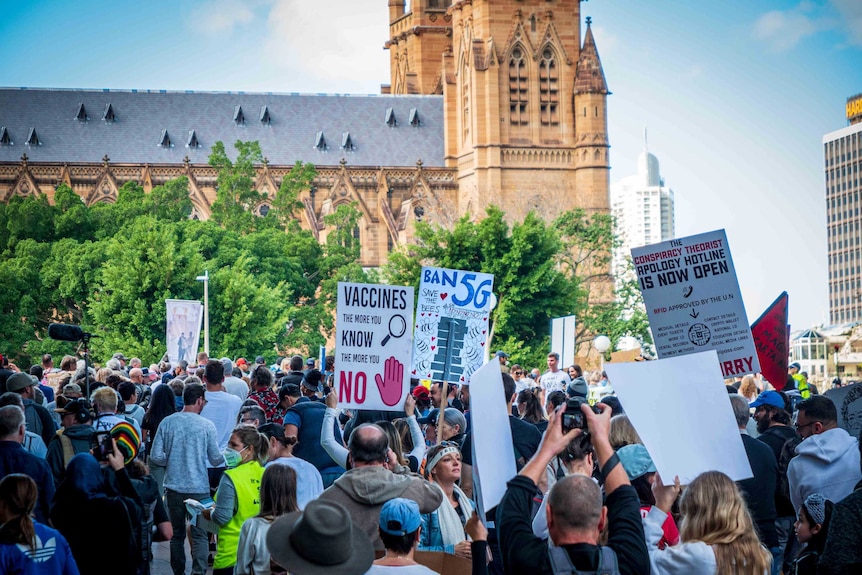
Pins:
x: 232, y: 457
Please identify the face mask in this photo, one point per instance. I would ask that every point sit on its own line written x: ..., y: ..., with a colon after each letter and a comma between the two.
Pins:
x: 232, y: 457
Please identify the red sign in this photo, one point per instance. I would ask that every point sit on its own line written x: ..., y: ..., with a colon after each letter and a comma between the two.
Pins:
x: 771, y: 338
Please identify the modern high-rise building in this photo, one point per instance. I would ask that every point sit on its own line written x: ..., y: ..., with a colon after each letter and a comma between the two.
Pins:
x: 842, y: 153
x: 643, y: 208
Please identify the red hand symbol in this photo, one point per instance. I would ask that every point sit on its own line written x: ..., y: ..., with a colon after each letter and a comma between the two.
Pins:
x: 392, y: 383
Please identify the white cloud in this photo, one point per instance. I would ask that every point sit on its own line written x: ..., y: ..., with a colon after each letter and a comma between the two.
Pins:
x: 217, y: 17
x: 333, y: 56
x: 782, y: 30
x: 851, y: 18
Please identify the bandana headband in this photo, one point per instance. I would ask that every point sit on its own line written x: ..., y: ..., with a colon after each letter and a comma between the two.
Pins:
x: 436, y: 459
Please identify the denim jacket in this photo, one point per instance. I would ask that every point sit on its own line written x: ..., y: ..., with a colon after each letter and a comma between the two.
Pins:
x: 431, y: 538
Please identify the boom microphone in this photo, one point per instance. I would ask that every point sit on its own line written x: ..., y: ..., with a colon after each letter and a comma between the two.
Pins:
x: 65, y: 332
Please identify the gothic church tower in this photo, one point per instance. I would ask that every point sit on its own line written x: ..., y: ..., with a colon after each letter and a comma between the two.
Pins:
x: 525, y: 101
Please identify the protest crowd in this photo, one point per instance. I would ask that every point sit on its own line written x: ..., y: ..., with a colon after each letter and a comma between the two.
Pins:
x: 262, y: 471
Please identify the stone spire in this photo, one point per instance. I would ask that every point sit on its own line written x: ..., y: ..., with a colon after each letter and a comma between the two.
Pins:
x: 590, y: 78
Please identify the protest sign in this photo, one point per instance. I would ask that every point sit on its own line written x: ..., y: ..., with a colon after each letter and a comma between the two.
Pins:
x: 771, y: 337
x: 680, y: 409
x: 372, y: 345
x: 563, y: 338
x: 451, y: 324
x: 493, y: 458
x: 848, y: 403
x: 183, y: 329
x: 693, y: 301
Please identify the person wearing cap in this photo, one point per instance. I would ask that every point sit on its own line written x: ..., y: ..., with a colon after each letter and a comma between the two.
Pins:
x: 759, y: 490
x: 309, y: 364
x: 827, y: 460
x: 503, y: 357
x: 75, y: 436
x: 641, y: 472
x: 800, y: 379
x: 454, y: 425
x: 304, y: 420
x: 15, y: 459
x: 321, y: 539
x: 400, y: 531
x: 242, y: 364
x: 39, y: 420
x: 369, y: 484
x: 423, y: 399
x: 773, y: 425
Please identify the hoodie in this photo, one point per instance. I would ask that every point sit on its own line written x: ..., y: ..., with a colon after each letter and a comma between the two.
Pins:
x: 364, y: 490
x: 81, y: 435
x: 826, y: 463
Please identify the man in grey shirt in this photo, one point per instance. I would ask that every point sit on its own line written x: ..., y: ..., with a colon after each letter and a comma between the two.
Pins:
x: 184, y: 442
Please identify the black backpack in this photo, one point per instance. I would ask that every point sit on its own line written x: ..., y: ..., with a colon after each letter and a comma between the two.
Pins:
x: 561, y: 564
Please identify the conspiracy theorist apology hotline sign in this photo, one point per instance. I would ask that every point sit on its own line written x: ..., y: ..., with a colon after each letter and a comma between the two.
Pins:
x: 373, y: 342
x: 693, y: 301
x: 451, y: 324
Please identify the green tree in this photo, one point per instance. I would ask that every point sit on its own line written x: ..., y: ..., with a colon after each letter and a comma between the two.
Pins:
x: 236, y: 197
x: 541, y: 271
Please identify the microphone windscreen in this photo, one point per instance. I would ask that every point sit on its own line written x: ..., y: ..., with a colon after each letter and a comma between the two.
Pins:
x: 64, y: 332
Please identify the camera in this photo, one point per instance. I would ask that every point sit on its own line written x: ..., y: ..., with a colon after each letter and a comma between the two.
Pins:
x: 102, y: 445
x: 573, y: 417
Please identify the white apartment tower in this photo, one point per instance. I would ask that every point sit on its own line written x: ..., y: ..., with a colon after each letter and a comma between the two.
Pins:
x: 643, y: 208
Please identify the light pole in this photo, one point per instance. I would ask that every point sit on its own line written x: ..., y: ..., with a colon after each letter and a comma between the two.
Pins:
x: 206, y: 279
x: 602, y: 343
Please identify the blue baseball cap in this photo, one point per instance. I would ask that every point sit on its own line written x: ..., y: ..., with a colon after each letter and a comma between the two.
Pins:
x: 636, y: 460
x: 772, y: 398
x: 399, y: 516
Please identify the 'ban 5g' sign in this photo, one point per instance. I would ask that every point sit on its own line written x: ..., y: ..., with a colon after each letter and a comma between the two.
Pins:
x: 451, y: 324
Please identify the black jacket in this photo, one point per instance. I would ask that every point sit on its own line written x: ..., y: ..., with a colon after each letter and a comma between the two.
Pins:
x: 523, y: 552
x: 759, y: 491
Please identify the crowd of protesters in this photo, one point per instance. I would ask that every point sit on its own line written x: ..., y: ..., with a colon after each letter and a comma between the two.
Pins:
x: 258, y: 467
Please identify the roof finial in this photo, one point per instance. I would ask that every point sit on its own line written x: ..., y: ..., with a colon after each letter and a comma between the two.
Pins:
x: 589, y: 20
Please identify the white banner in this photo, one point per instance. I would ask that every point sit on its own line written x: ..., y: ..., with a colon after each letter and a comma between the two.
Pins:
x: 689, y: 427
x: 451, y: 324
x: 693, y: 301
x: 372, y: 345
x: 184, y: 318
x: 563, y: 339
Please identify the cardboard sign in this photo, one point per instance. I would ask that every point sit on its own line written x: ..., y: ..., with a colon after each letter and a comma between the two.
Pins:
x: 848, y: 403
x: 451, y: 324
x: 693, y: 301
x: 443, y: 563
x: 493, y: 458
x: 680, y: 409
x: 372, y: 345
x: 183, y: 331
x: 771, y: 336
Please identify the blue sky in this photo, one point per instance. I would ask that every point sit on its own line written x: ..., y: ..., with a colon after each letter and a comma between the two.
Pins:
x: 736, y: 95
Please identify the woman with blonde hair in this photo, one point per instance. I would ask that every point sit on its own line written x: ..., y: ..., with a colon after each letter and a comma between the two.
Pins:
x: 622, y: 432
x: 717, y: 534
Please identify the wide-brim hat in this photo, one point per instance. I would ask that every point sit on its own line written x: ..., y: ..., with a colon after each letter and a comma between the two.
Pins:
x: 320, y: 540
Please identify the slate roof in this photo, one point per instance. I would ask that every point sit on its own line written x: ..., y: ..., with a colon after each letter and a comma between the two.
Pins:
x: 144, y: 120
x: 590, y: 77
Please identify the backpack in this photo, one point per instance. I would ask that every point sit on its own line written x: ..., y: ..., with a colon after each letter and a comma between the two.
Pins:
x: 561, y: 564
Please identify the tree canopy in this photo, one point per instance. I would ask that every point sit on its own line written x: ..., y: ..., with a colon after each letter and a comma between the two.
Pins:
x: 109, y: 267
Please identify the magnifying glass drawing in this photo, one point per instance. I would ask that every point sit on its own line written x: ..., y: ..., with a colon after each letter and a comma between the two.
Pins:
x: 397, y: 327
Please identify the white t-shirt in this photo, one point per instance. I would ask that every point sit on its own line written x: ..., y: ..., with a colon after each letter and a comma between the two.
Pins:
x: 557, y: 381
x: 222, y: 409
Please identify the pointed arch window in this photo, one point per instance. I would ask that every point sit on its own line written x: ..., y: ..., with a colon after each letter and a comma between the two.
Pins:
x: 465, y: 98
x: 518, y: 87
x: 549, y: 88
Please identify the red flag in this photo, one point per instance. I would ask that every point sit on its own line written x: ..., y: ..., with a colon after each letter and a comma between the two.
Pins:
x: 771, y: 338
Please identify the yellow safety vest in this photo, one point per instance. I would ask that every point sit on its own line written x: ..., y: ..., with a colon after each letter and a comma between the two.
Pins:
x: 802, y: 386
x: 246, y: 482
